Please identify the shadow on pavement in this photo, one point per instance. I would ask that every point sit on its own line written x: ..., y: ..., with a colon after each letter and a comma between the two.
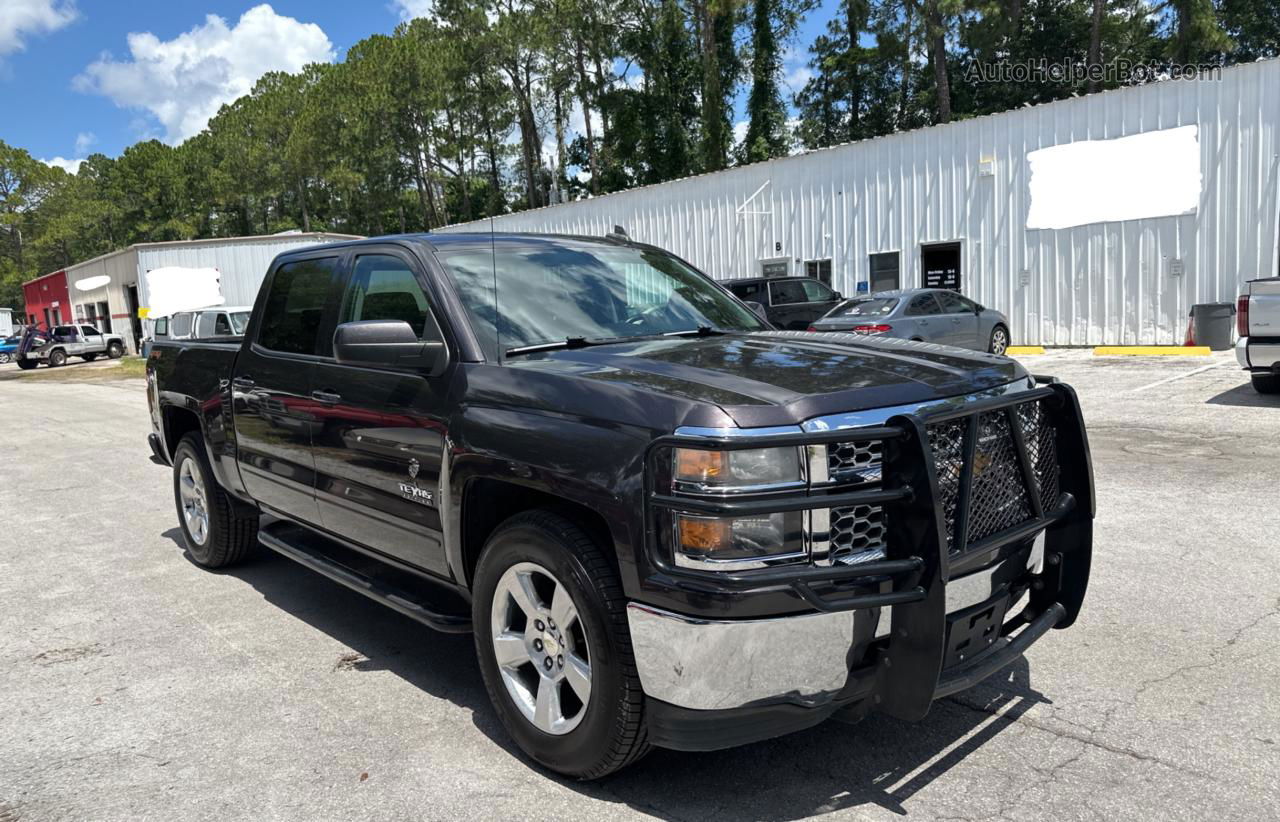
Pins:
x: 1244, y: 396
x: 879, y: 762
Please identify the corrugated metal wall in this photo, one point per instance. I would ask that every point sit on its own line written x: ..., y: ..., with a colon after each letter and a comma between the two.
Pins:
x: 242, y: 261
x: 1107, y: 283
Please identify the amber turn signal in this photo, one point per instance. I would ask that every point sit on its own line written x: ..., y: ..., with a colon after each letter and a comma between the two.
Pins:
x: 704, y: 535
x: 696, y: 465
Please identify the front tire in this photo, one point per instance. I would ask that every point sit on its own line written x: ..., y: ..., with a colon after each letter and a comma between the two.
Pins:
x: 115, y: 351
x: 1265, y: 383
x: 57, y: 358
x: 217, y: 531
x: 999, y: 342
x: 542, y: 585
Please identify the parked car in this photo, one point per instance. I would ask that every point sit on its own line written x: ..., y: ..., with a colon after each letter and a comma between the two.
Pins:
x: 62, y: 341
x: 1258, y: 324
x: 664, y: 522
x: 935, y: 315
x: 203, y: 324
x: 789, y: 302
x: 9, y: 347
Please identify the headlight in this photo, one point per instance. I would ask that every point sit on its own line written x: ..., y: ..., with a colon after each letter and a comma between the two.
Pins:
x: 737, y: 542
x: 708, y: 542
x: 759, y: 469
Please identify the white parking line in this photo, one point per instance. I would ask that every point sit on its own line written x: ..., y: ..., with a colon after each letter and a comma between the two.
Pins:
x: 1199, y: 370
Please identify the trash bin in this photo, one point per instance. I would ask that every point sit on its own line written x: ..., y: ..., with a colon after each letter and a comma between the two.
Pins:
x: 1212, y: 323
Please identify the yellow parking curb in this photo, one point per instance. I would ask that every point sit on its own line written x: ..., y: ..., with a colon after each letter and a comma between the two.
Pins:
x: 1023, y: 350
x: 1151, y: 351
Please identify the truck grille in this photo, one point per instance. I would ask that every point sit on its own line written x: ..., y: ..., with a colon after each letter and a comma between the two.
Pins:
x: 999, y: 498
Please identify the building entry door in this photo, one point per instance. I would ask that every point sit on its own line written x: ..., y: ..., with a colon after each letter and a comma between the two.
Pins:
x: 940, y: 266
x: 135, y: 322
x: 885, y: 271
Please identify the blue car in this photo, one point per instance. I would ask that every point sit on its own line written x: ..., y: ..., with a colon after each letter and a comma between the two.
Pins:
x: 9, y: 347
x: 935, y: 315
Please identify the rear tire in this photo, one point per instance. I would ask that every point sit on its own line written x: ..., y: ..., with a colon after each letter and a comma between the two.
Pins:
x: 999, y: 341
x: 544, y: 564
x: 1266, y: 383
x: 115, y: 350
x: 57, y: 358
x: 217, y: 531
x: 27, y: 365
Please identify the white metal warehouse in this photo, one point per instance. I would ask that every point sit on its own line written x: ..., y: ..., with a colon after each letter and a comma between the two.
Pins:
x: 1121, y: 264
x: 241, y: 263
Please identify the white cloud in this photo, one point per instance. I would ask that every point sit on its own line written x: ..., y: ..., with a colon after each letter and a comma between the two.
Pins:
x: 20, y: 18
x: 84, y: 140
x: 795, y: 69
x: 69, y: 166
x: 409, y: 9
x: 183, y: 81
x: 740, y: 131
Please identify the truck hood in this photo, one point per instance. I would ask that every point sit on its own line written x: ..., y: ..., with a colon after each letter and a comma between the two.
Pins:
x: 783, y: 378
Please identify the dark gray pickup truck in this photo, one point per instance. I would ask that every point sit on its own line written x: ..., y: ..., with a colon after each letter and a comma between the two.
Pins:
x: 665, y: 522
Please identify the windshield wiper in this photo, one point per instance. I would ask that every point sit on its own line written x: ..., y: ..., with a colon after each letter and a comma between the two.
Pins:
x: 567, y: 342
x: 700, y: 331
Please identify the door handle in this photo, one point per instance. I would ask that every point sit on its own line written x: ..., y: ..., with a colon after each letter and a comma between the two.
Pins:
x: 243, y: 384
x: 326, y: 396
x: 955, y: 320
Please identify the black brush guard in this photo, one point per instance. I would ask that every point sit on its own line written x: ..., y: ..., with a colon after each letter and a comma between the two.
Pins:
x: 918, y: 564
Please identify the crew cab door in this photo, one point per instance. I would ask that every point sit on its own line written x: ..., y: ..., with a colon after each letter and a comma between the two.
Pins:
x: 379, y: 440
x: 272, y: 408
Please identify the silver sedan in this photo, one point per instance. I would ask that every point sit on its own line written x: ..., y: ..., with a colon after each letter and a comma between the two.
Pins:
x: 935, y: 315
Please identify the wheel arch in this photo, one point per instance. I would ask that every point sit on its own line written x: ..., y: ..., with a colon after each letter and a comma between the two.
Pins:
x: 487, y: 502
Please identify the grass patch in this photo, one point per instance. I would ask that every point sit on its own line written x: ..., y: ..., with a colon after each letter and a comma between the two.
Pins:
x: 101, y: 370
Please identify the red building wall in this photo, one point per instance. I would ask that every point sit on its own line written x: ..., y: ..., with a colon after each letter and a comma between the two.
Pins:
x: 47, y: 300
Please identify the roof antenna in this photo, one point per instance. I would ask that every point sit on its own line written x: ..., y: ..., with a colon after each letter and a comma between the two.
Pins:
x: 619, y: 233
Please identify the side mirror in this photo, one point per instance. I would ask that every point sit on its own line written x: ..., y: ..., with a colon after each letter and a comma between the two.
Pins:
x: 388, y: 343
x: 756, y: 308
x: 836, y: 296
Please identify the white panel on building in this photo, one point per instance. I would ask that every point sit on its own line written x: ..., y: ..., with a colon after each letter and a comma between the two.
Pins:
x: 959, y: 195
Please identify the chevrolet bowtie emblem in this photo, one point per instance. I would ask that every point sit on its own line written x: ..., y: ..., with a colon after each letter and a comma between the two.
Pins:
x: 413, y: 469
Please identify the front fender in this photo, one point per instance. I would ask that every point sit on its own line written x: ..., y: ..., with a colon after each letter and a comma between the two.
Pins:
x: 556, y: 455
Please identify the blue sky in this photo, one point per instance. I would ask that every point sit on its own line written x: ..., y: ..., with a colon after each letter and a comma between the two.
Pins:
x: 98, y: 75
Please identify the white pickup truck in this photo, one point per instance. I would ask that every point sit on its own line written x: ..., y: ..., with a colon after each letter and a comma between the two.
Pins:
x: 1258, y: 323
x: 63, y: 341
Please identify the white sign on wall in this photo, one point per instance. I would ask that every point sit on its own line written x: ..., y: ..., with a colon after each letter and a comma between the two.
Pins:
x: 174, y: 288
x: 1153, y: 174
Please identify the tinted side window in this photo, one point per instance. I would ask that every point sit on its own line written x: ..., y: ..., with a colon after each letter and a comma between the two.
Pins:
x: 204, y: 325
x: 787, y: 291
x: 953, y: 303
x: 162, y: 327
x: 88, y: 331
x: 383, y: 287
x: 222, y: 325
x: 923, y: 305
x: 295, y: 306
x: 816, y: 292
x: 748, y: 292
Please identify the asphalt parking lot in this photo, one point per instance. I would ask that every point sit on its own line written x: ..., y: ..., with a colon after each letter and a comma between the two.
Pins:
x: 134, y: 685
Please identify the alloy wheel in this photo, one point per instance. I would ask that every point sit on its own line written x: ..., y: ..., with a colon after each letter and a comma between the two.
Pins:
x: 540, y: 645
x: 195, y: 510
x: 999, y: 341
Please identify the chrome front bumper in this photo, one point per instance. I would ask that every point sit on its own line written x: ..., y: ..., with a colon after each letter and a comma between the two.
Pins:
x: 705, y: 664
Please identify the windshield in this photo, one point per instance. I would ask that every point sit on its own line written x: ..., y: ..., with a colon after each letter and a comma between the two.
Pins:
x: 868, y: 307
x: 239, y: 322
x: 550, y: 293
